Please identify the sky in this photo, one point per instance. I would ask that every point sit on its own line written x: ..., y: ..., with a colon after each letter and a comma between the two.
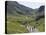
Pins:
x: 33, y: 5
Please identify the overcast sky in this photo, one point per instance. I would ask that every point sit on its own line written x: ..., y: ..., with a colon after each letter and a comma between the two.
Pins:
x: 30, y: 3
x: 33, y: 5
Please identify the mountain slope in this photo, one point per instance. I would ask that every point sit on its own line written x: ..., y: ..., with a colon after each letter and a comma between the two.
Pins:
x: 40, y: 13
x: 14, y: 8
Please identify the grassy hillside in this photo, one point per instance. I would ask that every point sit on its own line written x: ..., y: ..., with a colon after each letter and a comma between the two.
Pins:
x: 15, y: 24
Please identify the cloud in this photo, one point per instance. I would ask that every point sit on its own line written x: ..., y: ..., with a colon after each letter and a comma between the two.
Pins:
x: 29, y: 0
x: 31, y: 4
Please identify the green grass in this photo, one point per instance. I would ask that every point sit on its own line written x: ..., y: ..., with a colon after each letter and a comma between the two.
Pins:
x: 41, y: 25
x: 14, y: 24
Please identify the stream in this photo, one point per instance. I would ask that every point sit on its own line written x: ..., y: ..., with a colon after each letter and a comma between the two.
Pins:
x: 32, y: 29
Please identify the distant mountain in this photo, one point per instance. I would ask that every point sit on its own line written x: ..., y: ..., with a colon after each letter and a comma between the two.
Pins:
x: 14, y: 8
x: 40, y: 13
